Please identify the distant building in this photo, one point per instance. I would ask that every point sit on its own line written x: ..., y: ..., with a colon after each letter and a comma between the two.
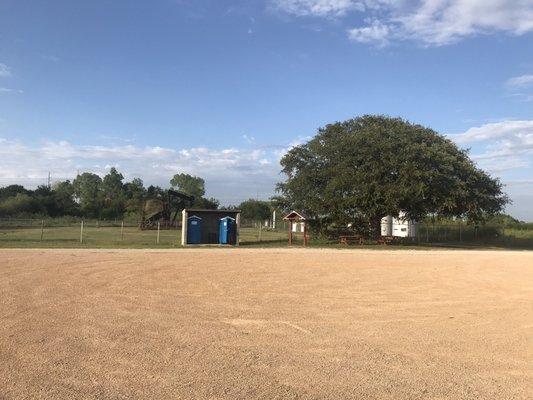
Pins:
x: 399, y: 227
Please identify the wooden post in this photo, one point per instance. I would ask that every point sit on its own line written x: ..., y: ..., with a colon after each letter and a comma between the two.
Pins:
x: 290, y: 232
x: 183, y: 227
x: 158, y: 226
x: 122, y: 230
x: 42, y: 229
x: 305, y: 233
x: 238, y: 229
x: 81, y: 232
x: 260, y: 232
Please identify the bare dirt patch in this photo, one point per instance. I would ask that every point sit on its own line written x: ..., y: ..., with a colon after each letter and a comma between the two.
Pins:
x: 256, y: 323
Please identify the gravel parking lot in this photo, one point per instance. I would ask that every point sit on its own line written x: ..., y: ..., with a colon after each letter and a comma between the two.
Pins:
x: 266, y: 323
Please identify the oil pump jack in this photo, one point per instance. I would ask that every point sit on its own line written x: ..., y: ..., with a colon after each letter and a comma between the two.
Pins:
x: 164, y: 209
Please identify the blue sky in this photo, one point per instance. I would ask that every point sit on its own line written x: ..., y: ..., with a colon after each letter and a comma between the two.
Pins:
x: 222, y: 88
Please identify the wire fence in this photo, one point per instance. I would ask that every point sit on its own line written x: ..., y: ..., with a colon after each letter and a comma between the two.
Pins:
x: 73, y: 232
x: 461, y: 233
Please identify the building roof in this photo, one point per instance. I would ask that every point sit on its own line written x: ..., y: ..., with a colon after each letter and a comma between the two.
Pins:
x: 295, y: 215
x: 212, y: 211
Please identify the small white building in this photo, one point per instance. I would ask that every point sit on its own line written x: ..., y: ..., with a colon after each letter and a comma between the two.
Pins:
x: 398, y: 227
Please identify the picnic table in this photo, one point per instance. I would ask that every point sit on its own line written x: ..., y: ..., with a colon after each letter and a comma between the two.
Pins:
x: 386, y: 240
x: 351, y: 239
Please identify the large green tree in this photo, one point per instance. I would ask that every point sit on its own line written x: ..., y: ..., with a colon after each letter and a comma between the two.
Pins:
x: 64, y: 198
x: 114, y: 199
x: 112, y: 186
x: 188, y: 184
x: 363, y: 169
x: 135, y: 194
x: 87, y: 189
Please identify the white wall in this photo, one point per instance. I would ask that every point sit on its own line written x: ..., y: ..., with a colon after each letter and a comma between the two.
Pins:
x: 298, y: 227
x: 399, y: 227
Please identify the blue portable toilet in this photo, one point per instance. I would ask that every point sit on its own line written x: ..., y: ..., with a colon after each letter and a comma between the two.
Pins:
x: 194, y: 230
x: 226, y: 230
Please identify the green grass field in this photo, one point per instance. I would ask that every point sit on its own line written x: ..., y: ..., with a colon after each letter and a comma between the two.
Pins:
x: 133, y: 237
x: 111, y: 237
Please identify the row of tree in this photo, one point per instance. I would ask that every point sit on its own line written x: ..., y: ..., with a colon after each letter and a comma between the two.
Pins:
x: 91, y: 196
x: 352, y: 173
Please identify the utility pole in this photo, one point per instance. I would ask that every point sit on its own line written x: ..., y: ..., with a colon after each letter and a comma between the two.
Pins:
x: 49, y: 180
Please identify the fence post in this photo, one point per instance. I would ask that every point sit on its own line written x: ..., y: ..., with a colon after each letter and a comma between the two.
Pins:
x: 460, y: 231
x: 158, y: 225
x: 260, y: 229
x: 427, y: 233
x: 81, y: 232
x: 42, y: 229
x: 122, y: 230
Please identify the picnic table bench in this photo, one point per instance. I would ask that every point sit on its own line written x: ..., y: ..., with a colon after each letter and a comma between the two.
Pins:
x: 351, y: 239
x: 386, y: 240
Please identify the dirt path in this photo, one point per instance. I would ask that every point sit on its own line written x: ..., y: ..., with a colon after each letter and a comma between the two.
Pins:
x: 269, y: 324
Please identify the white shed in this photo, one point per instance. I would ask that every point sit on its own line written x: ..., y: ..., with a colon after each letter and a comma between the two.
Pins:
x: 399, y: 227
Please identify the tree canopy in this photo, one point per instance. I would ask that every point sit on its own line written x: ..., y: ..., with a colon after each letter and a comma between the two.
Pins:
x: 363, y: 169
x: 87, y: 189
x: 188, y: 184
x: 258, y: 210
x: 92, y: 196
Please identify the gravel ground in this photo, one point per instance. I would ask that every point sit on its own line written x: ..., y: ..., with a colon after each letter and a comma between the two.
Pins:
x: 268, y: 324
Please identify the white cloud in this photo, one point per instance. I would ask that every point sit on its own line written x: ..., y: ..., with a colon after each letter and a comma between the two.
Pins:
x: 440, y: 22
x: 521, y: 87
x: 506, y: 144
x: 232, y: 174
x: 5, y: 71
x: 248, y: 138
x: 520, y: 182
x: 319, y: 8
x: 8, y: 90
x: 430, y: 22
x: 375, y: 32
x: 520, y: 81
x: 497, y: 130
x: 280, y: 151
